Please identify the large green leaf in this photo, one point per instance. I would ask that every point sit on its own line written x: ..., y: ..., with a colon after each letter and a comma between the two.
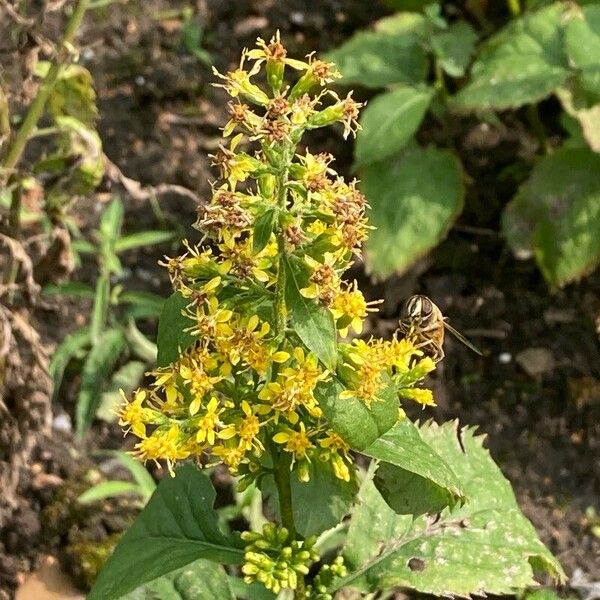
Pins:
x: 414, y: 200
x: 200, y: 580
x: 582, y: 43
x: 358, y: 424
x: 377, y: 59
x: 485, y: 546
x: 413, y: 478
x: 172, y: 339
x: 313, y: 323
x: 454, y: 47
x: 556, y: 215
x: 177, y: 527
x: 318, y: 504
x: 389, y: 121
x: 523, y: 63
x: 97, y: 369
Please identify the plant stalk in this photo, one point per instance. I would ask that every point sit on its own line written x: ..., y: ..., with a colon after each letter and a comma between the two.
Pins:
x: 36, y: 109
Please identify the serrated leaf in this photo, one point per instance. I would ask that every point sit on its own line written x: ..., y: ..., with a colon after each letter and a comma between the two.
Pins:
x: 97, y: 369
x: 413, y: 478
x: 171, y: 337
x: 177, y: 527
x: 582, y: 44
x: 522, y: 64
x: 318, y: 504
x: 556, y: 213
x: 263, y: 229
x: 414, y: 200
x: 389, y: 121
x: 201, y: 580
x: 141, y: 239
x: 74, y: 343
x: 484, y: 547
x: 314, y: 324
x: 454, y: 47
x: 107, y: 489
x: 358, y: 424
x: 376, y: 59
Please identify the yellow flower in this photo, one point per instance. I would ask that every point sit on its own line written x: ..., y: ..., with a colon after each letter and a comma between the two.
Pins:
x: 246, y: 428
x: 165, y: 444
x: 296, y: 442
x: 350, y: 309
x: 134, y: 415
x: 211, y: 320
x: 420, y: 395
x: 209, y: 421
x: 237, y: 83
x: 324, y: 280
x: 231, y: 456
x: 336, y: 451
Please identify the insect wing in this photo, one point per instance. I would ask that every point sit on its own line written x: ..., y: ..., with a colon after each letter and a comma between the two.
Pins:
x: 459, y: 336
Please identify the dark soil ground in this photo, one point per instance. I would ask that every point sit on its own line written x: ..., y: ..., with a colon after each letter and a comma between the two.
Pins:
x: 535, y: 391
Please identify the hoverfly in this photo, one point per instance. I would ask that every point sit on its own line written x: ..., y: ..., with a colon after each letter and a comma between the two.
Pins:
x: 424, y: 321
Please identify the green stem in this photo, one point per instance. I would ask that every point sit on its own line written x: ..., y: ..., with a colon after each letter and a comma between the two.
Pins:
x: 280, y: 310
x: 36, y: 109
x: 514, y: 6
x: 284, y: 490
x: 537, y: 126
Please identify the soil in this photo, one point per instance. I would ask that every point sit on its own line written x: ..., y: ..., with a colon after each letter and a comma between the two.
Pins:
x: 535, y: 391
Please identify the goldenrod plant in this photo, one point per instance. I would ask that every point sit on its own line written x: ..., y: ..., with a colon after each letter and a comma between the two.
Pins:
x: 258, y: 371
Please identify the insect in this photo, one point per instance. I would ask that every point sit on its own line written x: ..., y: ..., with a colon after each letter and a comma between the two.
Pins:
x: 423, y: 320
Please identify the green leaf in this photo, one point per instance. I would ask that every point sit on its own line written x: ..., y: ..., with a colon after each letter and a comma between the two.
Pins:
x: 318, y: 504
x: 127, y: 378
x: 413, y: 479
x: 377, y: 59
x: 582, y: 44
x: 389, y: 121
x: 314, y: 324
x: 143, y: 479
x: 141, y: 239
x: 73, y: 94
x: 172, y: 339
x: 355, y: 422
x: 96, y: 370
x: 252, y: 591
x: 454, y: 47
x: 263, y: 229
x: 177, y: 526
x: 522, y: 64
x: 144, y: 304
x: 139, y: 344
x: 414, y: 200
x: 403, y: 23
x: 111, y: 222
x: 72, y: 345
x: 484, y: 547
x: 200, y: 580
x: 100, y: 308
x: 70, y: 288
x: 556, y: 214
x: 107, y: 489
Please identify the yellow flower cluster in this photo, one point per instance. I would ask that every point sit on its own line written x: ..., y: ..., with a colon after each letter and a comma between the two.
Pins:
x: 246, y: 387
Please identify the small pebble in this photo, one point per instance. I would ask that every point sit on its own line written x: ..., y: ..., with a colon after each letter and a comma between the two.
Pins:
x: 62, y: 423
x: 505, y: 358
